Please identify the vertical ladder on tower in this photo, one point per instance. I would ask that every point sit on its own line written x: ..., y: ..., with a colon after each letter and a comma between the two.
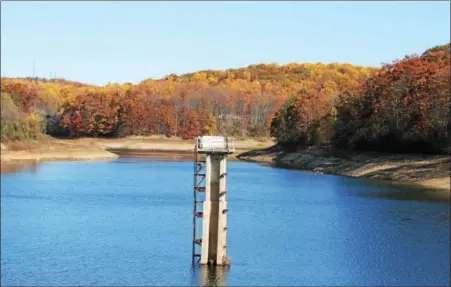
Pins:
x: 199, y: 196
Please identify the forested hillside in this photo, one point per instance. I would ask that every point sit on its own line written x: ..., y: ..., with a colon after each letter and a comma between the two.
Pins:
x: 402, y: 104
x: 234, y: 102
x: 403, y: 107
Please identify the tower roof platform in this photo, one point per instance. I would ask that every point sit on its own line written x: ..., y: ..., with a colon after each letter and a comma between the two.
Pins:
x: 215, y: 144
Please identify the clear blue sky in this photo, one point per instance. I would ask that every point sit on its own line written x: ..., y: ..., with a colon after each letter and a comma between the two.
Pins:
x: 101, y: 42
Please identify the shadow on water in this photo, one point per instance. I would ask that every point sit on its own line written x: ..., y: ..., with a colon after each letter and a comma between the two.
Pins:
x: 209, y: 275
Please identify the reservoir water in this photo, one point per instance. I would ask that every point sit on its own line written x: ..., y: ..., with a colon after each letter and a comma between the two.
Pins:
x: 128, y: 222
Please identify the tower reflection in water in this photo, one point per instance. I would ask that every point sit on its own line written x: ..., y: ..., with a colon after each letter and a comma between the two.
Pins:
x: 205, y: 275
x: 212, y: 275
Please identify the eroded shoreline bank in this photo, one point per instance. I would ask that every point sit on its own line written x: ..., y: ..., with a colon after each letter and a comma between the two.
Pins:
x: 431, y: 171
x: 84, y: 149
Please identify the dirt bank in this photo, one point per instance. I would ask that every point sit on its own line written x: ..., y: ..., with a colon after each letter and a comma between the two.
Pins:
x: 48, y: 149
x: 51, y: 149
x: 431, y: 171
x: 426, y: 170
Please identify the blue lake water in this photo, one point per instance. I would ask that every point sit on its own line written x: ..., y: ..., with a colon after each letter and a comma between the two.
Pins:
x: 129, y: 222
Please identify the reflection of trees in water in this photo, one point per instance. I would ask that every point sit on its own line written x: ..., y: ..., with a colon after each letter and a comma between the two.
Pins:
x: 412, y: 194
x: 16, y: 167
x: 166, y: 155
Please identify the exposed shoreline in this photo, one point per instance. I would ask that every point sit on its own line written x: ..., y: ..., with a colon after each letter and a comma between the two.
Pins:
x: 430, y: 171
x: 89, y: 149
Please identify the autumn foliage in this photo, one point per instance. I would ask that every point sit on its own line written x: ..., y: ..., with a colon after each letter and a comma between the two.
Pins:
x: 405, y: 107
x: 406, y: 102
x: 239, y: 102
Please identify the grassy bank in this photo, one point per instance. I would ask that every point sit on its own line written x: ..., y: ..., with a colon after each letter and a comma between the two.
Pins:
x: 431, y: 171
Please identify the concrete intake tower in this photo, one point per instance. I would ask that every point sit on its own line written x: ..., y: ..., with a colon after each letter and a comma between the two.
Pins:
x: 210, y: 199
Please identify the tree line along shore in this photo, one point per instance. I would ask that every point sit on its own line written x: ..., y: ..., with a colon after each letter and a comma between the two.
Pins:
x: 399, y: 108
